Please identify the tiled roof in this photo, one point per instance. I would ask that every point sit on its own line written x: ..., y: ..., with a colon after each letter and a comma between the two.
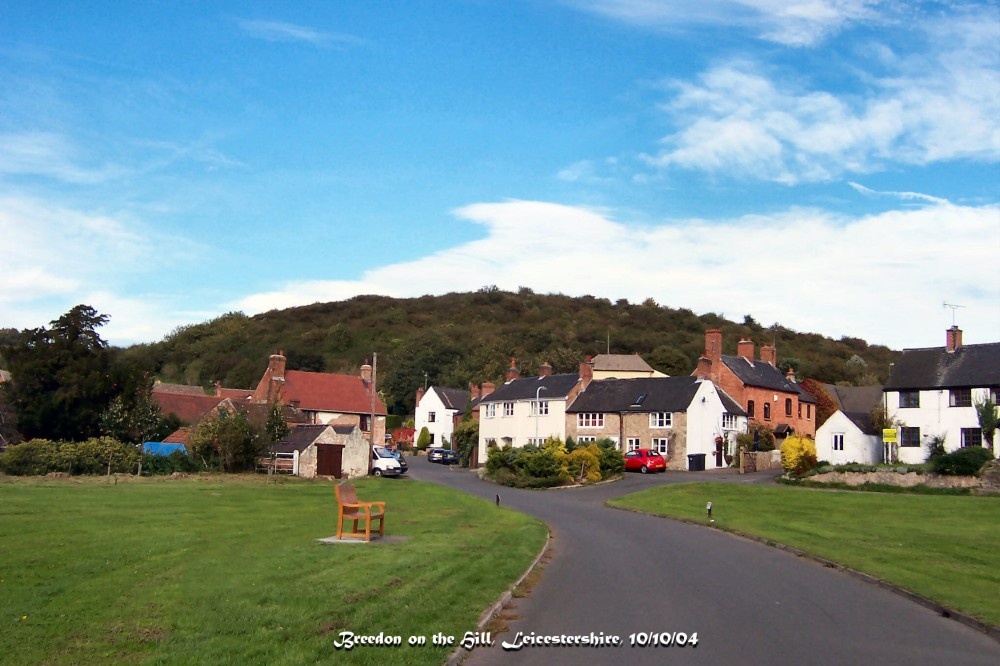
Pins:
x: 556, y: 386
x: 621, y: 362
x: 186, y: 389
x: 301, y: 437
x: 969, y: 366
x: 235, y: 394
x: 327, y: 392
x: 179, y: 436
x: 187, y: 407
x: 452, y: 398
x: 764, y: 375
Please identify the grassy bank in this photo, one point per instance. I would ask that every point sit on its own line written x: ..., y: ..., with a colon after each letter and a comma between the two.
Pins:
x: 228, y: 570
x: 940, y: 547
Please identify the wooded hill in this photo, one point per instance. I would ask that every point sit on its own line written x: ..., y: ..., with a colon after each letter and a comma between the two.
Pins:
x: 456, y: 338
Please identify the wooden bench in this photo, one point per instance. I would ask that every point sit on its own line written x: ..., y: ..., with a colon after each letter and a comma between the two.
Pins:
x: 349, y: 508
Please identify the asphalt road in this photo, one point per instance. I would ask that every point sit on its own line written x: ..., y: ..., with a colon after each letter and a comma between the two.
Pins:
x: 621, y: 574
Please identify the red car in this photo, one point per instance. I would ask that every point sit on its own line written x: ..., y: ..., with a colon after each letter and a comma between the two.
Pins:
x: 645, y: 460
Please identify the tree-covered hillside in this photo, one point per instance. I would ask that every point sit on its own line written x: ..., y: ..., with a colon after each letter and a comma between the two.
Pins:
x: 456, y: 338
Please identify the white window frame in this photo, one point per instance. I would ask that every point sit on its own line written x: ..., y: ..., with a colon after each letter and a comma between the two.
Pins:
x: 586, y: 439
x: 539, y: 407
x: 661, y: 420
x: 633, y: 444
x: 838, y: 441
x: 508, y: 409
x: 536, y: 441
x: 491, y: 410
x: 431, y: 417
x: 590, y: 420
x: 730, y: 422
x: 660, y: 445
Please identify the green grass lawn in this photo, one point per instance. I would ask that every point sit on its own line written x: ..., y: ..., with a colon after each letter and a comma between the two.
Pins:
x: 944, y: 548
x: 228, y: 570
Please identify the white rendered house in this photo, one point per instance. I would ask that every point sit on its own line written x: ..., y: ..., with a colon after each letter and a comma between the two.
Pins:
x: 439, y: 409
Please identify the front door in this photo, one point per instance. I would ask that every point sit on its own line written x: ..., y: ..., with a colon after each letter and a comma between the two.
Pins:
x: 718, y: 454
x: 329, y: 460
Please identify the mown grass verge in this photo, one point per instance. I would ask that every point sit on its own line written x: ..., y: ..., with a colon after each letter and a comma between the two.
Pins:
x: 939, y: 547
x: 228, y: 570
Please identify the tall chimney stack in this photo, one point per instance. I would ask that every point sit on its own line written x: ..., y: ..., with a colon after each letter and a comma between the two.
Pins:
x: 953, y: 339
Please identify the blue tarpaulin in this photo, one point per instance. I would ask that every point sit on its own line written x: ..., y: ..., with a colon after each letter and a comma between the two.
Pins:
x: 162, y: 448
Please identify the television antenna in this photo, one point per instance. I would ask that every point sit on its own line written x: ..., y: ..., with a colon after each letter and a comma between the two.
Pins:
x: 953, y: 308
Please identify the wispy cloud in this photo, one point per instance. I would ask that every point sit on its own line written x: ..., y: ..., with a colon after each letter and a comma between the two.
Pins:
x: 278, y: 31
x: 789, y: 22
x: 60, y: 257
x: 903, y: 196
x: 681, y: 263
x: 49, y: 155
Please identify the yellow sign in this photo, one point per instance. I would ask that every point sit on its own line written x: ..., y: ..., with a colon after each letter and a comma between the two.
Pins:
x: 889, y: 435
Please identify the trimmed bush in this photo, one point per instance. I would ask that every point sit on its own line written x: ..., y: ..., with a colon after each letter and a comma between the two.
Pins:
x: 93, y: 456
x: 966, y: 461
x: 798, y: 455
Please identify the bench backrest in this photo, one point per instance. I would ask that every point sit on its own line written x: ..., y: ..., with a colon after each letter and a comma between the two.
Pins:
x: 346, y: 493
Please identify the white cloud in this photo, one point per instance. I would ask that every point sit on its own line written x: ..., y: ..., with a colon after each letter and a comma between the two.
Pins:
x: 880, y: 277
x: 278, y: 31
x: 790, y: 22
x: 904, y: 196
x: 59, y: 257
x: 739, y: 120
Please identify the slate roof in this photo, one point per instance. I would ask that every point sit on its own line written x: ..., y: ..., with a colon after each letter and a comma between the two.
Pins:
x: 855, y: 399
x: 301, y: 437
x: 452, y: 398
x: 967, y: 367
x: 662, y: 394
x: 863, y: 420
x: 556, y: 386
x: 621, y: 362
x: 328, y: 392
x: 764, y: 375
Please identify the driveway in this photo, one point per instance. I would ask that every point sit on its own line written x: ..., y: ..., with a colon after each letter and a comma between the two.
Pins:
x: 621, y: 573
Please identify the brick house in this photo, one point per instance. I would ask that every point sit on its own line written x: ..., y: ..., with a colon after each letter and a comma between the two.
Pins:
x: 675, y: 416
x: 768, y: 397
x: 325, y: 398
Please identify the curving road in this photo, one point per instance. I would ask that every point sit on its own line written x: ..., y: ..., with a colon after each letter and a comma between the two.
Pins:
x: 621, y: 573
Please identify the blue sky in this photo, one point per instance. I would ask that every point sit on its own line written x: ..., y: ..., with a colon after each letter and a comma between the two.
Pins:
x: 829, y: 165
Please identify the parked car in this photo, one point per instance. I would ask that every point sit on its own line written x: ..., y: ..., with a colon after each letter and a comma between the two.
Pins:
x: 449, y: 457
x: 384, y: 463
x: 434, y: 455
x: 645, y: 460
x: 400, y: 459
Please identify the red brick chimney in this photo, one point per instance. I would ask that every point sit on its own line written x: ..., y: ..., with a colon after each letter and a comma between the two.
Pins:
x: 475, y: 391
x: 366, y: 373
x: 487, y: 388
x: 704, y: 369
x: 790, y: 375
x: 744, y: 348
x: 513, y: 372
x: 218, y: 388
x: 270, y: 385
x: 713, y: 346
x: 276, y: 365
x: 768, y: 356
x: 420, y: 396
x: 545, y: 370
x: 953, y: 339
x: 587, y: 371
